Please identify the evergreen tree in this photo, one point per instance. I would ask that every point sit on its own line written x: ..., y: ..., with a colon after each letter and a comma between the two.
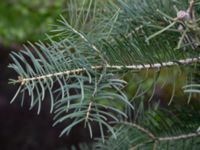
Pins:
x: 108, y: 64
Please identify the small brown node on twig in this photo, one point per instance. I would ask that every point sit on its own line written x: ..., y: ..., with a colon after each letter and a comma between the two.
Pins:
x: 72, y: 50
x: 21, y: 80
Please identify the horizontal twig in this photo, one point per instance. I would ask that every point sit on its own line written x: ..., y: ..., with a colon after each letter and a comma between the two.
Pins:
x: 117, y: 67
x: 179, y: 137
x: 155, y: 139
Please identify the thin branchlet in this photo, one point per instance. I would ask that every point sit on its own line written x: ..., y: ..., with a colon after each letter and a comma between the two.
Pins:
x: 187, y: 26
x: 191, y: 7
x: 155, y: 140
x: 88, y: 112
x: 179, y: 137
x: 140, y: 128
x: 83, y: 37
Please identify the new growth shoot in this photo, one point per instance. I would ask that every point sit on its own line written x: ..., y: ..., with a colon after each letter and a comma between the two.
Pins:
x: 187, y: 27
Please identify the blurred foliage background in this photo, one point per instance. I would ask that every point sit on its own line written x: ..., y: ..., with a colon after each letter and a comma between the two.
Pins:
x: 23, y: 20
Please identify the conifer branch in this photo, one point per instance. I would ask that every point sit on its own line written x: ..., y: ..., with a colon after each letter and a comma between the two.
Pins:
x: 117, y: 67
x: 84, y: 38
x: 140, y: 128
x: 93, y: 63
x: 179, y: 137
x: 155, y: 139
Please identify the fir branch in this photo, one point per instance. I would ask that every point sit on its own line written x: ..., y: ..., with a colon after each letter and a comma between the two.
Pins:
x: 155, y: 140
x: 83, y: 37
x: 140, y: 128
x: 179, y: 137
x: 117, y: 67
x: 96, y: 100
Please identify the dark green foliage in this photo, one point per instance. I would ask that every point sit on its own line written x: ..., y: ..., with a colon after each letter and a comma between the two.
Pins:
x: 24, y: 19
x: 156, y: 130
